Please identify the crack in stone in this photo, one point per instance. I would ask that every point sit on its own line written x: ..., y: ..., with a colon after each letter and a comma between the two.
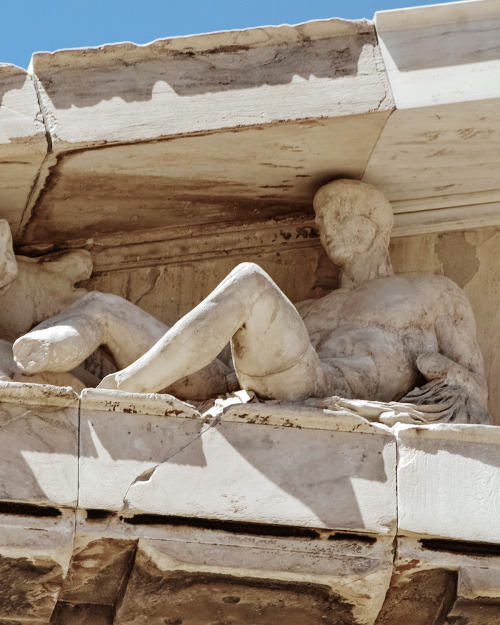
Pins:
x: 146, y: 475
x: 152, y: 287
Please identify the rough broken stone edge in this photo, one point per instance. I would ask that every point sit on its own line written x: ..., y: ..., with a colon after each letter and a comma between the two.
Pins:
x: 218, y: 41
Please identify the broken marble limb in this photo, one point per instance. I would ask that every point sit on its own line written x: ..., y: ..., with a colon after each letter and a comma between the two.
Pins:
x: 9, y: 372
x: 451, y: 405
x: 42, y: 287
x: 62, y: 342
x: 388, y: 413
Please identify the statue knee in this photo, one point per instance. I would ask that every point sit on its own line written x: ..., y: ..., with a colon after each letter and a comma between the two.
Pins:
x: 253, y: 275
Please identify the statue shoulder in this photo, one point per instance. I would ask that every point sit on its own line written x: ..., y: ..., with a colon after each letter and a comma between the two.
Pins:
x: 437, y: 284
x: 445, y: 295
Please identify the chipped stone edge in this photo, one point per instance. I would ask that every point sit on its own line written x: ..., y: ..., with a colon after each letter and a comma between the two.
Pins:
x: 152, y: 404
x: 469, y: 432
x: 219, y: 41
x: 302, y: 417
x: 31, y: 394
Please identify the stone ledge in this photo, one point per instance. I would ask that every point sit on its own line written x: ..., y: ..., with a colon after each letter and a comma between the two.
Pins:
x: 262, y: 496
x: 245, y: 465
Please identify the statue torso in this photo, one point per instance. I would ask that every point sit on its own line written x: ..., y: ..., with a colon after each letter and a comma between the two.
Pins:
x: 374, y: 333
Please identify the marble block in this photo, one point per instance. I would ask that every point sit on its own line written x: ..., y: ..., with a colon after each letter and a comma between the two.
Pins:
x: 38, y: 445
x: 34, y: 558
x: 248, y: 582
x: 449, y: 482
x: 262, y: 464
x: 22, y: 141
x: 205, y: 82
x: 442, y: 53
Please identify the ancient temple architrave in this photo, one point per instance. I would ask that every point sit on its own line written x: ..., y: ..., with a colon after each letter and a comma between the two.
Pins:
x: 163, y: 166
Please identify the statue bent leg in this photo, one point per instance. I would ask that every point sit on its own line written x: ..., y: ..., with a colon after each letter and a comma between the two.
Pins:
x: 271, y: 349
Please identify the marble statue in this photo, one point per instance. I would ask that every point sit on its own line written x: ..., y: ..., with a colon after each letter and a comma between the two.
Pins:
x: 378, y: 337
x: 32, y: 289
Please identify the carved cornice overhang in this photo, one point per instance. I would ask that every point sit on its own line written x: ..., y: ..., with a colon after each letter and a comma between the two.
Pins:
x: 240, y: 128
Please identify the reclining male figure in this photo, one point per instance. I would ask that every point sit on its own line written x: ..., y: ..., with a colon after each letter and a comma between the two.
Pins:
x: 374, y: 338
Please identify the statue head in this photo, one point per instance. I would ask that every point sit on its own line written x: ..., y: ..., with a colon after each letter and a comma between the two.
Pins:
x: 8, y: 264
x: 354, y: 220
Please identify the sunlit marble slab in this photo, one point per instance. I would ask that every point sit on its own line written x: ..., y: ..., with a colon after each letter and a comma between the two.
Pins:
x: 449, y: 482
x: 127, y: 92
x: 441, y: 53
x: 281, y: 465
x: 22, y: 141
x: 38, y: 444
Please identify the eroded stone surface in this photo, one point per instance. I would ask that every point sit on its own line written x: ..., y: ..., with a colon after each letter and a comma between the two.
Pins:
x: 200, y: 598
x: 425, y: 598
x: 356, y: 568
x: 38, y: 446
x: 22, y: 141
x: 443, y: 474
x: 238, y: 470
x: 98, y: 572
x: 22, y: 580
x: 474, y: 613
x: 81, y: 614
x: 34, y: 559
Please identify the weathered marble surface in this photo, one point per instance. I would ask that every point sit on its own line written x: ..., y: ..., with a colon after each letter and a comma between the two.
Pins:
x: 173, y: 86
x: 165, y: 557
x: 35, y: 554
x: 420, y: 159
x: 23, y: 145
x: 94, y: 192
x: 215, y: 560
x: 236, y: 468
x: 38, y: 445
x: 448, y: 482
x: 442, y: 53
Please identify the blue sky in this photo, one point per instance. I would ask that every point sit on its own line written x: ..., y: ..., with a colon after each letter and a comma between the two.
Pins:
x: 29, y: 26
